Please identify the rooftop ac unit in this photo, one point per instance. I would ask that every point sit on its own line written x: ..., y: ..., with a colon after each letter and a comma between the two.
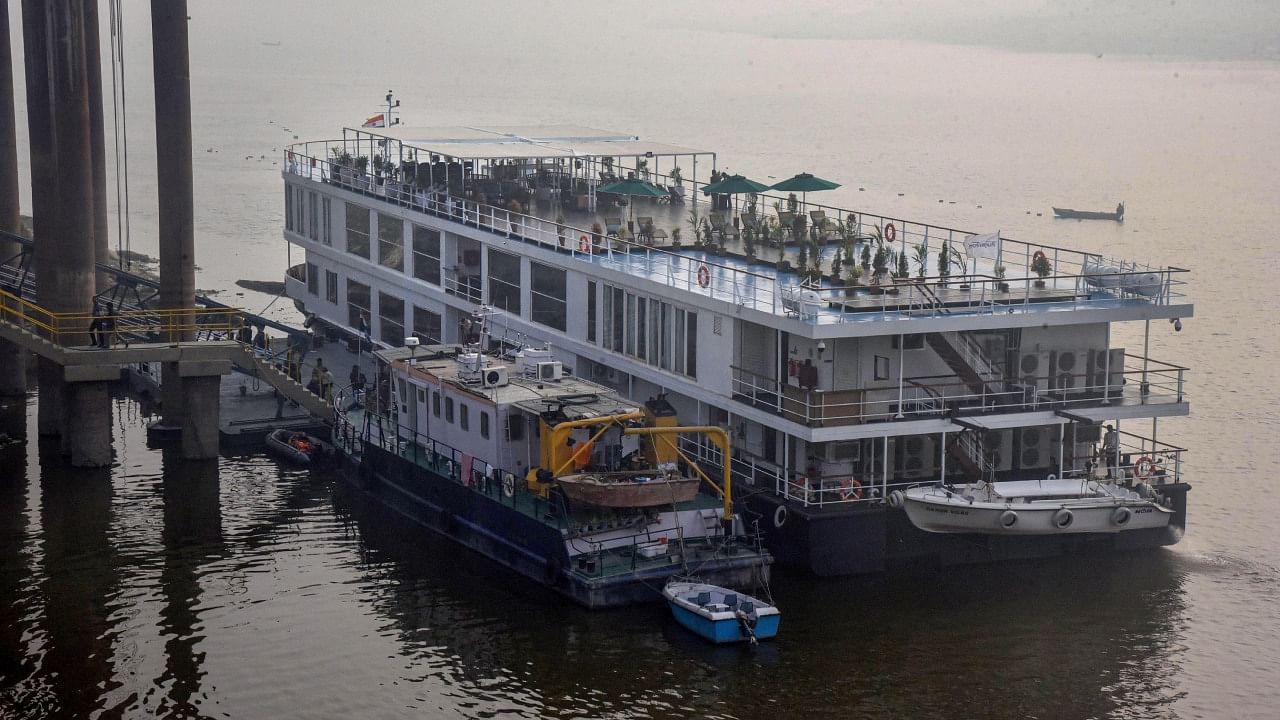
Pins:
x: 1035, y: 447
x: 918, y: 456
x: 553, y: 370
x: 1034, y: 370
x: 493, y: 377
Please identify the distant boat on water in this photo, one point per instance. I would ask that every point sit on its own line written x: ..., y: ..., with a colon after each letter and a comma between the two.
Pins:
x: 1118, y: 215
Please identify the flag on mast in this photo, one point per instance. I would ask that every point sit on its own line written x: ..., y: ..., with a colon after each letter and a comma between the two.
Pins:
x: 379, y: 120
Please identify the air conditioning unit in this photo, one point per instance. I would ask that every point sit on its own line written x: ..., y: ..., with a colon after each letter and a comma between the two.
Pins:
x: 918, y: 456
x: 1034, y: 370
x: 1098, y: 367
x: 1036, y: 447
x: 553, y: 370
x: 1067, y: 371
x: 997, y: 446
x: 492, y: 377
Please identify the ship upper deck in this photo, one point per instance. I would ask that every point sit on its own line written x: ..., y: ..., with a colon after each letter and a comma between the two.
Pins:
x: 762, y: 252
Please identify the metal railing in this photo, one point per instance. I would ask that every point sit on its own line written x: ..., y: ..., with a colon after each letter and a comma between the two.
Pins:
x: 1082, y: 279
x: 72, y: 329
x: 920, y: 397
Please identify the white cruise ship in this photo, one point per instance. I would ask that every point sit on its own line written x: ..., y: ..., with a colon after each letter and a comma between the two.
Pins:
x: 860, y: 363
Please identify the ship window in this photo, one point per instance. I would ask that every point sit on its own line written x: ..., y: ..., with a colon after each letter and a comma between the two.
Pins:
x: 426, y: 255
x: 881, y: 367
x: 313, y: 227
x: 464, y: 416
x: 357, y: 303
x: 288, y: 207
x: 448, y: 409
x: 299, y: 210
x: 504, y: 281
x: 515, y: 427
x: 910, y: 342
x: 435, y: 403
x: 390, y: 242
x: 591, y: 312
x: 391, y: 319
x: 357, y: 230
x: 547, y: 296
x: 313, y: 279
x: 691, y: 345
x: 325, y: 235
x: 484, y: 425
x: 331, y: 286
x: 614, y: 311
x: 426, y: 326
x: 642, y: 329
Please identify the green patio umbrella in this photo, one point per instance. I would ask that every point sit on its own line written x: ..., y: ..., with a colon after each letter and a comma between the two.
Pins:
x: 805, y: 183
x: 634, y: 188
x: 734, y: 185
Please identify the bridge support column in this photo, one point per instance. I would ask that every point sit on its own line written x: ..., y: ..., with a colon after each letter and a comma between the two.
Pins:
x: 200, y: 384
x: 13, y: 359
x: 86, y: 402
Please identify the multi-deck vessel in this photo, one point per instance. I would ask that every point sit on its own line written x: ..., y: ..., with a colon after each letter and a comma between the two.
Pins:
x: 945, y: 358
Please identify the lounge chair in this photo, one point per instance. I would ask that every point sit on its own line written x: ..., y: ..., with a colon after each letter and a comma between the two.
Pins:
x: 612, y: 225
x: 644, y: 229
x: 821, y: 225
x: 787, y: 221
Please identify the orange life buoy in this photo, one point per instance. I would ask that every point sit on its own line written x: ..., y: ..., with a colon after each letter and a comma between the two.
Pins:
x: 1144, y: 467
x: 584, y: 244
x: 704, y: 275
x: 851, y: 489
x: 890, y: 232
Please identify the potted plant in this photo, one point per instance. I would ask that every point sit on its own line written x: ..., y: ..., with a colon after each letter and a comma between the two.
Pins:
x: 749, y: 242
x: 836, y: 261
x: 879, y: 264
x: 944, y: 262
x: 1001, y: 285
x: 854, y: 271
x: 675, y: 237
x: 904, y: 272
x: 695, y: 225
x: 361, y: 165
x: 677, y: 182
x: 1041, y: 267
x: 921, y: 259
x: 865, y: 258
x: 597, y: 235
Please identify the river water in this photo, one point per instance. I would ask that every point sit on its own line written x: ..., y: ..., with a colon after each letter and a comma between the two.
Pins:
x: 242, y: 588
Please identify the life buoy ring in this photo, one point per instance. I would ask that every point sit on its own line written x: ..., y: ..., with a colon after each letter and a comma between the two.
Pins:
x: 897, y: 499
x: 584, y: 244
x: 1063, y: 519
x: 1052, y: 477
x: 890, y: 232
x: 508, y: 484
x: 704, y: 275
x: 850, y: 489
x: 1008, y: 519
x: 1121, y: 516
x: 1145, y: 467
x: 780, y: 516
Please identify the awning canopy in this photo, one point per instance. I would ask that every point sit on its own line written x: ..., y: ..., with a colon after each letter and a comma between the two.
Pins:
x: 1010, y: 420
x: 513, y: 141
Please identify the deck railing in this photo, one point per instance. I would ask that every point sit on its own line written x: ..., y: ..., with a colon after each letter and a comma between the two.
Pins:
x: 1080, y: 278
x: 1145, y: 381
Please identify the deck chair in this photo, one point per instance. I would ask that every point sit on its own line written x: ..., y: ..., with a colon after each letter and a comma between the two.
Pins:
x: 612, y: 225
x: 644, y: 229
x: 787, y: 221
x: 821, y: 225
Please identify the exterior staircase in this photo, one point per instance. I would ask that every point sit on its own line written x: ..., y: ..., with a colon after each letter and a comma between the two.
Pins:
x: 963, y: 448
x: 261, y: 368
x: 965, y: 358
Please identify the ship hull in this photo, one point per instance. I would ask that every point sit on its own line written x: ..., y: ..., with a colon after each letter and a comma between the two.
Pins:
x: 515, y: 540
x: 851, y: 540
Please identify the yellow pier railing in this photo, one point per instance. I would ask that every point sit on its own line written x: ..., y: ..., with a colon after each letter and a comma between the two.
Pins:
x: 71, y: 329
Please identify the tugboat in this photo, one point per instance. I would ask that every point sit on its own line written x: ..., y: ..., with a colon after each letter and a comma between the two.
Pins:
x: 553, y: 476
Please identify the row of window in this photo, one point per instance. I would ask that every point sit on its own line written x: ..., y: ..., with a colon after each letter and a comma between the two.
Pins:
x: 650, y: 330
x: 299, y: 205
x: 647, y: 329
x: 427, y: 325
x: 464, y: 414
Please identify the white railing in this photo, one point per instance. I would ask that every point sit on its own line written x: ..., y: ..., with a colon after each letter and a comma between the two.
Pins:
x: 1150, y: 383
x: 1077, y: 280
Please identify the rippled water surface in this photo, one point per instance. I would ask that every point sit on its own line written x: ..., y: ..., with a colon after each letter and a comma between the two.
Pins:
x: 246, y: 589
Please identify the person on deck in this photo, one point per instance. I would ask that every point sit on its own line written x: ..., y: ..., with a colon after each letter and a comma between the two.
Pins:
x: 1111, y: 449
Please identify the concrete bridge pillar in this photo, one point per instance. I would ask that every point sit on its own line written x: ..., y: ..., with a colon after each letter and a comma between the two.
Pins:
x: 200, y: 391
x: 13, y: 360
x: 86, y: 435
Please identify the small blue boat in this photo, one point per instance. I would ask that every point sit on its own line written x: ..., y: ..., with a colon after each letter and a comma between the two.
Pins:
x: 721, y: 615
